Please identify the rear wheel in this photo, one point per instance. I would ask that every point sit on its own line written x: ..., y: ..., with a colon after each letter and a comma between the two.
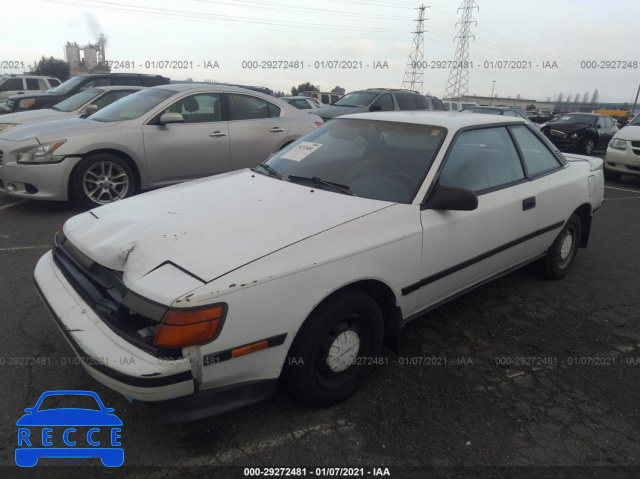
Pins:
x: 335, y: 349
x: 563, y: 250
x: 102, y: 179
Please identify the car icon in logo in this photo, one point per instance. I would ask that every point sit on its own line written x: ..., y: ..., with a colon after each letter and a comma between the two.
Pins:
x: 69, y: 432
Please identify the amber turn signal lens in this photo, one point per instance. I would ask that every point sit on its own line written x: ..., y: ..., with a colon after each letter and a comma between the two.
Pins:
x: 179, y: 329
x: 252, y: 348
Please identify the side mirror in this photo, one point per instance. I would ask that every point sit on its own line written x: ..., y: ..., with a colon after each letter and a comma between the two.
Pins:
x: 167, y: 118
x: 89, y: 110
x: 376, y: 108
x: 451, y: 198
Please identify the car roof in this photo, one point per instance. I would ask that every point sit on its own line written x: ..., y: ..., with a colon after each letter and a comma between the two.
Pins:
x: 182, y: 87
x: 453, y: 120
x: 119, y: 88
x: 296, y: 98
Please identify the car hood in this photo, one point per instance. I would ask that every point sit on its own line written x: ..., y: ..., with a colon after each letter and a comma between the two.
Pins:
x: 629, y: 132
x: 33, y: 116
x: 62, y: 129
x: 333, y: 111
x: 567, y: 127
x: 211, y: 226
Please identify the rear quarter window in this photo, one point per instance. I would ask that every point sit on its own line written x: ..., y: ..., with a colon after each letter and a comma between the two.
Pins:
x: 411, y: 101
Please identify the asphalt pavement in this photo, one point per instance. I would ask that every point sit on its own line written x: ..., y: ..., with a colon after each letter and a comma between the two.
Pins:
x: 521, y: 376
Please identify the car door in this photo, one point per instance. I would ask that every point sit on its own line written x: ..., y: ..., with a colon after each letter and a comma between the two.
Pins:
x: 550, y: 181
x: 256, y: 129
x: 609, y: 129
x: 462, y: 248
x: 197, y: 147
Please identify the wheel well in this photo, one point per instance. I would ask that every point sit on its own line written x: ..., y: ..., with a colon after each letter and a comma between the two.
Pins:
x: 584, y: 213
x: 386, y: 299
x: 286, y: 144
x: 107, y: 151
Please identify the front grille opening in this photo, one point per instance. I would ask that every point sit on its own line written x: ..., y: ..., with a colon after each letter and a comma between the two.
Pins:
x: 103, y: 290
x: 29, y: 188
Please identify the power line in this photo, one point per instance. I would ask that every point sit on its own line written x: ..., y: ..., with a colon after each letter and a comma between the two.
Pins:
x: 458, y: 83
x: 413, y: 75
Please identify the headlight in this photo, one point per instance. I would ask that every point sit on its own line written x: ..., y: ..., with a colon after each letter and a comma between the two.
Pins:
x: 27, y: 103
x: 618, y: 144
x: 575, y: 135
x: 42, y: 153
x: 6, y: 126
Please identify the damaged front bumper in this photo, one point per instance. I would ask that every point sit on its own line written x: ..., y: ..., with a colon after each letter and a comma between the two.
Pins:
x: 105, y: 355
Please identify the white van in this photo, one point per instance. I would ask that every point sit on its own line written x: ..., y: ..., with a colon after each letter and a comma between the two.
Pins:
x: 457, y: 105
x: 17, y: 84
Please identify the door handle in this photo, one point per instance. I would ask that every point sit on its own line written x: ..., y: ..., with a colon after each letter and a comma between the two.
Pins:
x: 528, y: 203
x: 216, y: 134
x: 276, y: 129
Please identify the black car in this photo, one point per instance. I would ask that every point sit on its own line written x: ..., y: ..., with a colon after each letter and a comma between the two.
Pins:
x: 38, y: 101
x: 582, y: 132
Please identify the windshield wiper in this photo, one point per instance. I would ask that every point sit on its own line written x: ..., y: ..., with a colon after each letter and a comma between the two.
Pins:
x: 268, y: 169
x: 55, y: 108
x: 319, y: 181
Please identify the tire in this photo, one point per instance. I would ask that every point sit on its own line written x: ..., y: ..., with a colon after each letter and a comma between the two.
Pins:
x: 563, y: 250
x: 611, y: 175
x: 331, y: 354
x: 587, y: 146
x: 102, y: 179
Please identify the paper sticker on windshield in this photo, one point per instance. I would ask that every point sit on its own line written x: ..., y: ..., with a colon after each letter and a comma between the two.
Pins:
x: 301, y: 151
x: 566, y: 118
x: 435, y: 132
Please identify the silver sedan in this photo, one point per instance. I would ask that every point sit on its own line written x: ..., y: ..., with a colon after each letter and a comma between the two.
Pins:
x: 84, y: 103
x: 152, y: 138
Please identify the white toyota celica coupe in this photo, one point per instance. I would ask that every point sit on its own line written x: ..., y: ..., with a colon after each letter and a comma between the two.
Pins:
x: 200, y: 297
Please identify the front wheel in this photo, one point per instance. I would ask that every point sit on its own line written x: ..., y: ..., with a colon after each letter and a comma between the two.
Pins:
x: 611, y: 175
x: 102, y: 179
x: 563, y: 250
x: 335, y: 349
x: 587, y: 146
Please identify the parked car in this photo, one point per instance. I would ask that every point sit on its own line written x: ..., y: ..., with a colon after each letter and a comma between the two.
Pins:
x: 21, y: 84
x: 152, y: 138
x: 325, y: 98
x: 582, y: 132
x: 86, y: 103
x: 308, y: 104
x: 376, y: 99
x: 76, y: 84
x: 623, y: 152
x: 301, y: 268
x: 501, y: 110
x: 457, y: 105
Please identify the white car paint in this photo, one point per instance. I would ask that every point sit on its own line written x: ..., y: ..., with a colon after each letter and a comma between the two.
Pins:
x: 274, y: 250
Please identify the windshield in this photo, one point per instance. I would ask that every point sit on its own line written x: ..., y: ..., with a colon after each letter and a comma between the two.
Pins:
x: 357, y: 98
x: 373, y: 159
x: 77, y: 100
x: 576, y: 118
x: 133, y: 106
x: 67, y: 86
x: 635, y: 121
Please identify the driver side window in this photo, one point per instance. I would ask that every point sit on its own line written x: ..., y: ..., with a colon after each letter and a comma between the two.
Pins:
x: 199, y: 108
x: 481, y: 160
x: 385, y: 102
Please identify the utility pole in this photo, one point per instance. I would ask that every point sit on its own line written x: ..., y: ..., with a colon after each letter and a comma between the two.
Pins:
x: 413, y: 74
x: 492, y: 88
x: 458, y: 83
x: 635, y: 102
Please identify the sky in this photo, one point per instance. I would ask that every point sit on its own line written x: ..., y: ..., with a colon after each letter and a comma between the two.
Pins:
x: 373, y: 37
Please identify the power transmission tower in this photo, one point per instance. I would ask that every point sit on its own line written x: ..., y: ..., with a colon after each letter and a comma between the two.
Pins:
x: 458, y: 83
x: 414, y: 72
